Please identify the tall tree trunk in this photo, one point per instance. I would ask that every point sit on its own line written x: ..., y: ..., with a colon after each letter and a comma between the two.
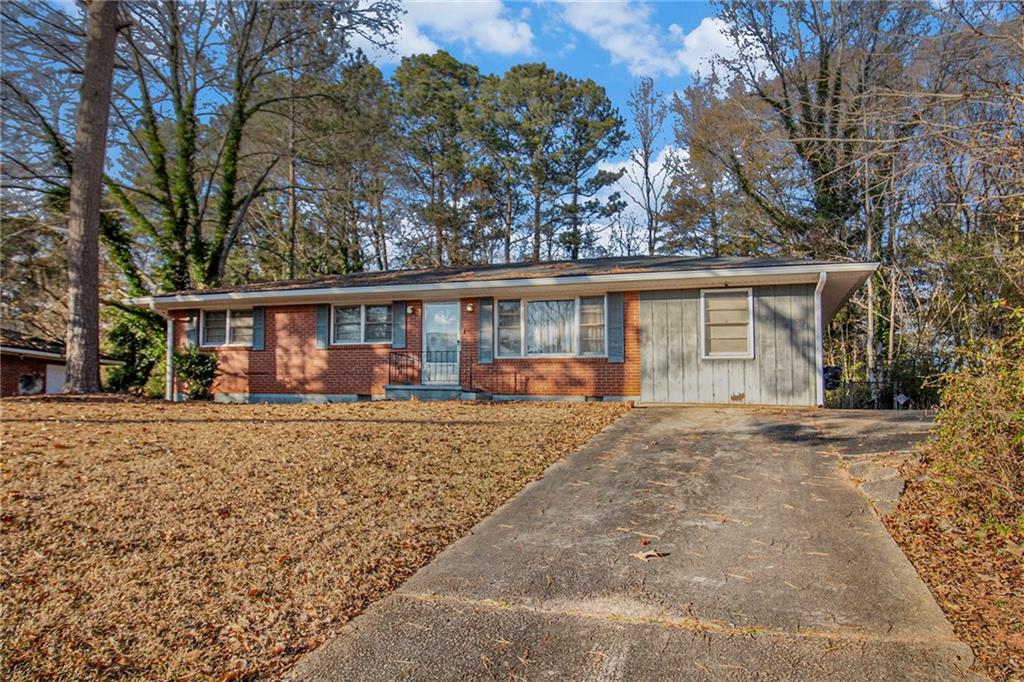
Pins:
x: 438, y: 241
x: 713, y: 220
x: 652, y: 228
x: 83, y: 335
x: 378, y: 230
x: 293, y: 210
x: 508, y: 224
x: 577, y: 233
x: 536, y: 225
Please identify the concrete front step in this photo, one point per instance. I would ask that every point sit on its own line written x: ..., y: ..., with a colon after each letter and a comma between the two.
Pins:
x: 431, y: 392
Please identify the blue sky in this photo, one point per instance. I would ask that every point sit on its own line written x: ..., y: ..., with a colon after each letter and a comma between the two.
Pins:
x: 613, y: 42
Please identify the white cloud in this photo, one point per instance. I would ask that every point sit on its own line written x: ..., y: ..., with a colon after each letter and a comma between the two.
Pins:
x: 624, y: 29
x: 411, y: 41
x: 703, y: 44
x: 486, y: 26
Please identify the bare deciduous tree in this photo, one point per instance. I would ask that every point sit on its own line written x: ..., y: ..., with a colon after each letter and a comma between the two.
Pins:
x: 649, y: 180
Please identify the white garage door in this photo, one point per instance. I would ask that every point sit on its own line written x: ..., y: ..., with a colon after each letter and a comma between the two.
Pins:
x: 55, y: 378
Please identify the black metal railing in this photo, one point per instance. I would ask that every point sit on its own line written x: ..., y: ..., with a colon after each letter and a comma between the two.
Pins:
x: 426, y: 367
x: 411, y: 367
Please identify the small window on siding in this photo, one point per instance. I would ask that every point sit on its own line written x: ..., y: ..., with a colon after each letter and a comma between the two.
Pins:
x: 378, y: 323
x: 510, y: 330
x: 227, y: 328
x: 727, y: 316
x: 592, y: 325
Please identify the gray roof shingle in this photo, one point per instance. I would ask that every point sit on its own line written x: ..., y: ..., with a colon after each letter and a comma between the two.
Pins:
x: 525, y: 270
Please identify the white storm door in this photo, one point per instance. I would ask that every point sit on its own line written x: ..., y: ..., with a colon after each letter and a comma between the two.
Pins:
x: 441, y: 343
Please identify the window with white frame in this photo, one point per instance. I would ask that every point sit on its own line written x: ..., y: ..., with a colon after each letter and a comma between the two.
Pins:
x: 551, y: 327
x: 592, y: 325
x: 510, y: 329
x: 377, y: 323
x: 361, y: 324
x: 226, y: 327
x: 727, y: 320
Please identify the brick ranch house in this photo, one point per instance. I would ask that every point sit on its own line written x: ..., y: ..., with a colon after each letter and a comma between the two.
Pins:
x: 30, y: 365
x: 654, y: 329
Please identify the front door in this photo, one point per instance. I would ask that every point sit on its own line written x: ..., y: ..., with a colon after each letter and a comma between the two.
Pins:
x: 441, y: 343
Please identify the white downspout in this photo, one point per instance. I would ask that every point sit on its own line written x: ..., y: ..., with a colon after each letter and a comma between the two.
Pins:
x: 169, y: 376
x: 819, y: 342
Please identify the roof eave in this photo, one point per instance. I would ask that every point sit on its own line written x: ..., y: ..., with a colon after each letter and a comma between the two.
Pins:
x: 48, y: 355
x: 613, y: 281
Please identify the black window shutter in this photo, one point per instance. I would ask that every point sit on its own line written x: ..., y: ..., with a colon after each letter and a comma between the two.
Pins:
x: 486, y: 329
x: 616, y: 340
x: 398, y: 324
x: 257, y: 328
x: 192, y: 328
x: 323, y: 317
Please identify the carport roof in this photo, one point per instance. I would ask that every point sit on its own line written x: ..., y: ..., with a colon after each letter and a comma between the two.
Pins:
x: 621, y: 273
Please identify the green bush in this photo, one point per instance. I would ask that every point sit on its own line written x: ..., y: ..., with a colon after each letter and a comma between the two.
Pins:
x: 976, y: 456
x: 157, y: 382
x: 137, y: 338
x: 196, y: 370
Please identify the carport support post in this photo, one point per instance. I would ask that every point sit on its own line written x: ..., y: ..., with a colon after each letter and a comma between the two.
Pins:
x: 819, y: 340
x: 169, y: 376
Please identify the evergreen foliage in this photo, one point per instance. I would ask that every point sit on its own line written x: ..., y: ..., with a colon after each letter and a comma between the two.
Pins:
x: 195, y: 369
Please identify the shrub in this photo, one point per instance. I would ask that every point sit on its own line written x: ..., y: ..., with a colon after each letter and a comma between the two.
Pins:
x: 976, y: 456
x: 157, y: 382
x: 196, y: 370
x: 137, y: 339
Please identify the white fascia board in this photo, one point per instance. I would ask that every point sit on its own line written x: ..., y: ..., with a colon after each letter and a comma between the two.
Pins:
x: 497, y: 287
x: 44, y: 355
x: 24, y: 352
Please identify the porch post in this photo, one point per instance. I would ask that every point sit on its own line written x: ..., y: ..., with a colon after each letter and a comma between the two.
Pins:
x: 819, y: 342
x: 169, y: 375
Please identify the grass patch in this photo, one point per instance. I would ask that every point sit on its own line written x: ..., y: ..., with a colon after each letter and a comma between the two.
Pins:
x: 224, y: 541
x: 961, y: 520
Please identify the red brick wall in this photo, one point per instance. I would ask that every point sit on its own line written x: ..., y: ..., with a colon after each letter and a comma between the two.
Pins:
x: 13, y: 366
x: 291, y: 363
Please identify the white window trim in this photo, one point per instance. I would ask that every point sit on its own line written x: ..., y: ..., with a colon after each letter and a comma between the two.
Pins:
x: 579, y: 312
x: 227, y: 329
x: 749, y: 355
x: 523, y: 354
x: 362, y: 325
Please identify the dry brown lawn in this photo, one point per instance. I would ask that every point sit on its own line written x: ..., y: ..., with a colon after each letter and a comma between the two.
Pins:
x: 223, y: 541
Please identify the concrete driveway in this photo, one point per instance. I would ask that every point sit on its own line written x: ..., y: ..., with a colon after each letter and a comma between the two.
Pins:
x: 679, y: 544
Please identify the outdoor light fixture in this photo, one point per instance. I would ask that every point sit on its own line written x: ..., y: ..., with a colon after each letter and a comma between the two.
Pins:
x: 469, y: 307
x: 410, y: 309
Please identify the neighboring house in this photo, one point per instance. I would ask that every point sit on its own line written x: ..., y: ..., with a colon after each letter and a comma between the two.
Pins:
x: 30, y: 365
x: 656, y: 329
